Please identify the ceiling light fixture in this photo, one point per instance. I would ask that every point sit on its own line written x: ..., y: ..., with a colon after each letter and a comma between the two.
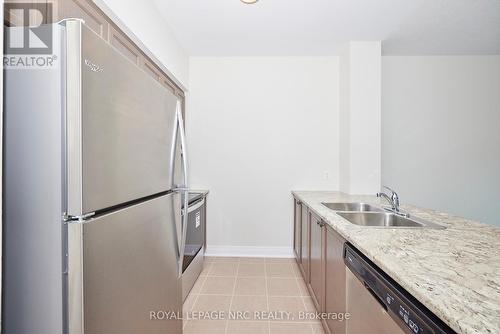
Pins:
x: 249, y: 2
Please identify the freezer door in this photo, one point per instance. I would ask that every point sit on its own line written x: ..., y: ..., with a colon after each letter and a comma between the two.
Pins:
x: 120, y: 126
x: 123, y: 269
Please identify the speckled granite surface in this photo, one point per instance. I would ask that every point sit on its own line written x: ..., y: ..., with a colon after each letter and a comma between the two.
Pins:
x: 454, y: 272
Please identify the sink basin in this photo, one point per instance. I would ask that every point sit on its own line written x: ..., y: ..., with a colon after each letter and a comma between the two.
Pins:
x: 358, y: 207
x: 386, y: 219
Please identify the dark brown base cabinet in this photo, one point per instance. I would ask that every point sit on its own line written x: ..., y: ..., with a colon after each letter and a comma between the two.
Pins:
x: 304, y: 254
x: 297, y: 230
x: 316, y: 261
x: 321, y: 260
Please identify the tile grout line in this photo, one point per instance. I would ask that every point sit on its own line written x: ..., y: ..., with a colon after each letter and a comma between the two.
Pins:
x: 247, y: 276
x: 267, y: 296
x: 256, y: 276
x: 267, y: 278
x: 302, y: 298
x: 197, y: 295
x: 241, y: 295
x: 232, y: 295
x: 305, y: 307
x: 299, y: 289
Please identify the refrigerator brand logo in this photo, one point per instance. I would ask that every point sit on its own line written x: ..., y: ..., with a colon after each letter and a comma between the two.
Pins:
x: 93, y: 67
x: 28, y: 39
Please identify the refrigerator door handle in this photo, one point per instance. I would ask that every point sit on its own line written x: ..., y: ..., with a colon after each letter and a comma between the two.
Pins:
x: 183, y: 142
x: 184, y: 189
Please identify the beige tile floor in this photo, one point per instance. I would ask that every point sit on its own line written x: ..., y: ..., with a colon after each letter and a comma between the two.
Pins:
x: 268, y: 294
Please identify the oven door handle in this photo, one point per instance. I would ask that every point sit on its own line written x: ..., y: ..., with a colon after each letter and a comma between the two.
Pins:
x: 196, y: 206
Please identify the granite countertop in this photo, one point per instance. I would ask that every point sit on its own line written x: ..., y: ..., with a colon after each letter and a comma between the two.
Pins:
x: 454, y: 272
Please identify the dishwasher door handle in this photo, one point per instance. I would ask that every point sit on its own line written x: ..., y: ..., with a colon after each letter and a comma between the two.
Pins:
x: 196, y: 206
x: 374, y: 295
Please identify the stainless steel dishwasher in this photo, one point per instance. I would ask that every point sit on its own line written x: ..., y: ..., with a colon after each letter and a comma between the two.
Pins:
x: 194, y: 250
x: 378, y: 305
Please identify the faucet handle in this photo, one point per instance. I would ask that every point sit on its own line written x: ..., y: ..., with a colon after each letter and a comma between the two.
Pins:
x: 394, y: 198
x: 391, y: 190
x: 381, y: 193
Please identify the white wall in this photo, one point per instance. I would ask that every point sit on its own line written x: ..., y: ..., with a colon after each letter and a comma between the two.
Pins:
x: 441, y: 133
x: 345, y: 119
x: 360, y: 95
x: 258, y: 128
x: 145, y: 21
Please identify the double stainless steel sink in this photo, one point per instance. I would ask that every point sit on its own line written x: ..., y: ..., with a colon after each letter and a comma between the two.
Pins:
x: 357, y: 207
x: 363, y: 214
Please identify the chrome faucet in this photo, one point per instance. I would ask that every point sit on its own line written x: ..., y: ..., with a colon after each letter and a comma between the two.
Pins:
x: 393, y: 200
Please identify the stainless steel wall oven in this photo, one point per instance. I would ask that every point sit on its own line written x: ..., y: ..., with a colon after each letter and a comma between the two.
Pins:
x: 195, y: 241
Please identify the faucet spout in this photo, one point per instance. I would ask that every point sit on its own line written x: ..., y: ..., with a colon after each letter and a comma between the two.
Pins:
x: 387, y: 198
x: 393, y: 199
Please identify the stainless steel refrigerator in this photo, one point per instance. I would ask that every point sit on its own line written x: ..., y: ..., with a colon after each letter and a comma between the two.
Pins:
x: 95, y: 177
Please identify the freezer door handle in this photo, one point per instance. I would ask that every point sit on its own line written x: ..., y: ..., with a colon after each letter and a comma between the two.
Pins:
x: 183, y: 190
x: 182, y: 135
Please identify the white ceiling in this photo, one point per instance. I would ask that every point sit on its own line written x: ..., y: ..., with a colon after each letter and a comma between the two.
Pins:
x: 319, y: 27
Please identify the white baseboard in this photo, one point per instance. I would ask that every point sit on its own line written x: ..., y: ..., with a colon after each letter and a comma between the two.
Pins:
x: 249, y: 251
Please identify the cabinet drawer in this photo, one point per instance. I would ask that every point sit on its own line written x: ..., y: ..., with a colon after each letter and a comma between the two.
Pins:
x: 304, y: 252
x: 316, y: 264
x: 297, y: 229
